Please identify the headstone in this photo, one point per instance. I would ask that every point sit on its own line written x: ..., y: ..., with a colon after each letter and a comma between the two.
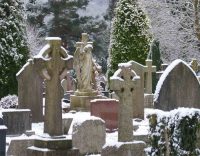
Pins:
x: 140, y: 71
x: 89, y: 135
x: 177, y: 87
x: 3, y: 130
x: 149, y: 70
x: 17, y: 120
x: 124, y: 82
x: 18, y: 147
x: 30, y: 90
x: 84, y: 68
x: 106, y: 109
x: 53, y: 61
x: 66, y: 122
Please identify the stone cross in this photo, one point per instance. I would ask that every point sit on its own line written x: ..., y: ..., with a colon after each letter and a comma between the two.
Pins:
x: 149, y: 69
x: 54, y: 62
x: 194, y: 65
x: 84, y: 41
x: 124, y: 82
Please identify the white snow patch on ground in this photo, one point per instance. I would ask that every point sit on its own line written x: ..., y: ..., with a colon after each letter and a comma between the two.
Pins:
x: 95, y: 8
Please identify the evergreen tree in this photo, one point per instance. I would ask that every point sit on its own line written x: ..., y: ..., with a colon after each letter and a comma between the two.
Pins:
x: 13, y: 48
x: 154, y: 55
x: 129, y: 35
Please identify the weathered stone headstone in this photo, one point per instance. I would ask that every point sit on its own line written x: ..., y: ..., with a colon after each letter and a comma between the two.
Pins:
x: 177, y: 87
x: 53, y: 61
x: 30, y: 90
x: 17, y: 120
x: 89, y: 135
x: 124, y: 82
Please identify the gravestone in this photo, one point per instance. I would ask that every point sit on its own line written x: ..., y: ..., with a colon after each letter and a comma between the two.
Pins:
x: 53, y: 62
x: 30, y: 90
x: 89, y: 135
x: 194, y: 65
x: 177, y: 87
x: 17, y: 120
x: 140, y: 71
x: 124, y: 82
x: 106, y: 109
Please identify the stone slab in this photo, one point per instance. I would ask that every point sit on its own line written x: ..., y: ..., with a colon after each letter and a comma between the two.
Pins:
x: 18, y: 147
x: 82, y: 103
x: 106, y: 109
x: 124, y: 149
x: 148, y: 100
x: 17, y: 120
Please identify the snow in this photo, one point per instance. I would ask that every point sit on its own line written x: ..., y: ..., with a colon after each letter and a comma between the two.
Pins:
x: 42, y: 51
x: 125, y: 65
x: 166, y: 73
x: 95, y: 8
x: 23, y: 68
x: 96, y: 100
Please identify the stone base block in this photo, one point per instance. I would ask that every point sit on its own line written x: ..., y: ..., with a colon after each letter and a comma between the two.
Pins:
x: 135, y: 148
x: 35, y: 151
x: 82, y: 103
x: 52, y: 147
x: 148, y: 100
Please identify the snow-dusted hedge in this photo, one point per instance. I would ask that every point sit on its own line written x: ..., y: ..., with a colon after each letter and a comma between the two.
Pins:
x: 174, y: 133
x: 10, y: 101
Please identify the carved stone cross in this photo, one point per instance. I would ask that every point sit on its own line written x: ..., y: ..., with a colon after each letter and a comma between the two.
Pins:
x: 84, y: 41
x: 54, y: 62
x: 124, y: 82
x: 149, y: 69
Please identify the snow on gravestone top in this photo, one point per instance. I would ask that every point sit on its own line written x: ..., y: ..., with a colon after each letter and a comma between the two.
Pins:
x: 177, y: 87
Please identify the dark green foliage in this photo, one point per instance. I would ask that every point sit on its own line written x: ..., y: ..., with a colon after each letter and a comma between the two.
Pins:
x: 180, y: 132
x: 129, y: 35
x: 154, y: 55
x: 13, y: 47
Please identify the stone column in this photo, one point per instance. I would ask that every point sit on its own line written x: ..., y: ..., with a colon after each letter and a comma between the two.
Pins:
x: 124, y: 82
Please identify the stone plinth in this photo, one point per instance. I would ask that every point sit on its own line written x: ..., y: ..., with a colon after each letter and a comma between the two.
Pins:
x: 52, y: 147
x: 17, y: 120
x: 148, y: 100
x: 3, y: 130
x: 106, y: 109
x: 124, y: 149
x: 81, y: 100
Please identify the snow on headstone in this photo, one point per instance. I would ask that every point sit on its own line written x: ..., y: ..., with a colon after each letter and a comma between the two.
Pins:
x: 178, y: 87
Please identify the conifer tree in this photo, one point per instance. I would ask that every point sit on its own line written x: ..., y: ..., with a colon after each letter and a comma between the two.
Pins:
x: 129, y: 35
x: 13, y: 47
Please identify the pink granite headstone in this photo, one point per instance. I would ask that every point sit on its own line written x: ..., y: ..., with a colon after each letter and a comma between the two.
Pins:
x: 107, y: 109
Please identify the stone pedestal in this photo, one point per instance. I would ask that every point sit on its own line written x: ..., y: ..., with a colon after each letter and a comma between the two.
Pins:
x: 148, y: 100
x: 17, y: 120
x: 81, y: 100
x: 52, y: 147
x: 135, y: 148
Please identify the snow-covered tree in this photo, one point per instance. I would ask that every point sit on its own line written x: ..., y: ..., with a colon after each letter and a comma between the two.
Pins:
x: 13, y: 47
x: 129, y: 35
x: 176, y: 24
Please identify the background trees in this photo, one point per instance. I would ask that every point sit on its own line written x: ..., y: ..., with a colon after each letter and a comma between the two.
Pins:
x: 13, y: 47
x: 129, y: 35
